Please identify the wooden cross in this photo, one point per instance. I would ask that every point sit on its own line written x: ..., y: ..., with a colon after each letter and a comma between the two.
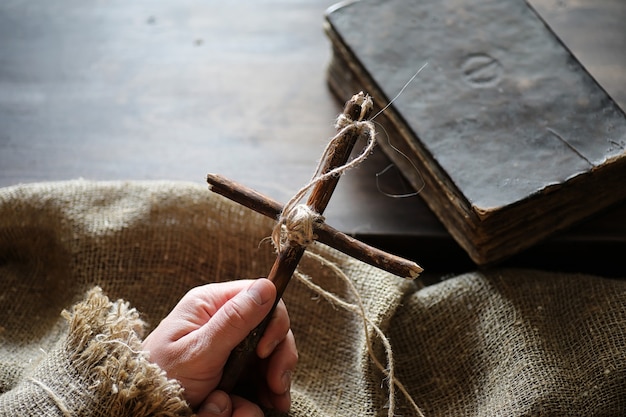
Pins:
x: 290, y: 254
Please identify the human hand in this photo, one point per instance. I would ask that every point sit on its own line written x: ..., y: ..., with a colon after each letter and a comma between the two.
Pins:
x: 194, y: 341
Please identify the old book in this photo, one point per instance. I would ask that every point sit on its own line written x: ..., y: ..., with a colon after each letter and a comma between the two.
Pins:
x: 506, y: 135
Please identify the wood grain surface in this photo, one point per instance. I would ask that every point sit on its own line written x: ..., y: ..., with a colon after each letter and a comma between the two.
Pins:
x: 174, y: 90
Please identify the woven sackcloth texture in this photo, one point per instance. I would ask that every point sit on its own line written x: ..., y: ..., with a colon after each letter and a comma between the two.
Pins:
x: 495, y: 343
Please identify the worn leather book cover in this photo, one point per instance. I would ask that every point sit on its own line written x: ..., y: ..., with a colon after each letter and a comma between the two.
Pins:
x: 506, y: 135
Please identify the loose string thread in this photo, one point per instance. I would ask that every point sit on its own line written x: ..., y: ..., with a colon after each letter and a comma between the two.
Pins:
x: 297, y: 221
x: 359, y: 309
x: 379, y: 174
x: 409, y: 160
x: 58, y: 401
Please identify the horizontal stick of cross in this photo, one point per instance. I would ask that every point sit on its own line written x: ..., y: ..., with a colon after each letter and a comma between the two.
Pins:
x: 326, y: 234
x: 352, y: 124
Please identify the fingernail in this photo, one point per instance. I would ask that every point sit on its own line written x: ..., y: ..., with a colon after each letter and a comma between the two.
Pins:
x: 216, y: 404
x: 216, y: 407
x: 286, y: 378
x: 267, y: 349
x: 212, y: 408
x: 258, y: 291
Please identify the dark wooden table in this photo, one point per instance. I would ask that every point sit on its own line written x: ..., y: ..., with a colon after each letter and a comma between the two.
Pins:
x: 173, y: 90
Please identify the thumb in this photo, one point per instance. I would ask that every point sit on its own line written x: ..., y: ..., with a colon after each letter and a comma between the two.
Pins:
x: 239, y: 316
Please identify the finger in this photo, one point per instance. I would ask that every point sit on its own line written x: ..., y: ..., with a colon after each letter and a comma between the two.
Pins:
x: 238, y: 317
x: 217, y: 404
x: 280, y: 368
x: 281, y: 402
x: 275, y: 332
x: 245, y: 408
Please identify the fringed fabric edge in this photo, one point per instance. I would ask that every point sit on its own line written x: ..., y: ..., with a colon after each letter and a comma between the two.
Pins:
x: 104, y: 346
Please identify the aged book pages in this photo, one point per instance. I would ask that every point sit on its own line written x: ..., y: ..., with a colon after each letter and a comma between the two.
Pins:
x: 512, y: 137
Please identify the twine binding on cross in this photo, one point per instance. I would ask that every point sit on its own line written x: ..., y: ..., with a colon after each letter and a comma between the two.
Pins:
x: 297, y: 224
x: 297, y: 221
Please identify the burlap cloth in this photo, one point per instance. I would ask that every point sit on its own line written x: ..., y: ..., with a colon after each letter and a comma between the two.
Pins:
x: 497, y: 343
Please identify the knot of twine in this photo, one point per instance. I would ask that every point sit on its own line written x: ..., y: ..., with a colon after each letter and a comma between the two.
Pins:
x: 297, y: 225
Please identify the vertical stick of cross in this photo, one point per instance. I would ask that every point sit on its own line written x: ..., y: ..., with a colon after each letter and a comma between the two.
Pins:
x: 290, y: 250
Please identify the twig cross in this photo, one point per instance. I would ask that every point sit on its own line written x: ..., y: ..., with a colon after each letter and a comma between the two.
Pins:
x: 356, y: 110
